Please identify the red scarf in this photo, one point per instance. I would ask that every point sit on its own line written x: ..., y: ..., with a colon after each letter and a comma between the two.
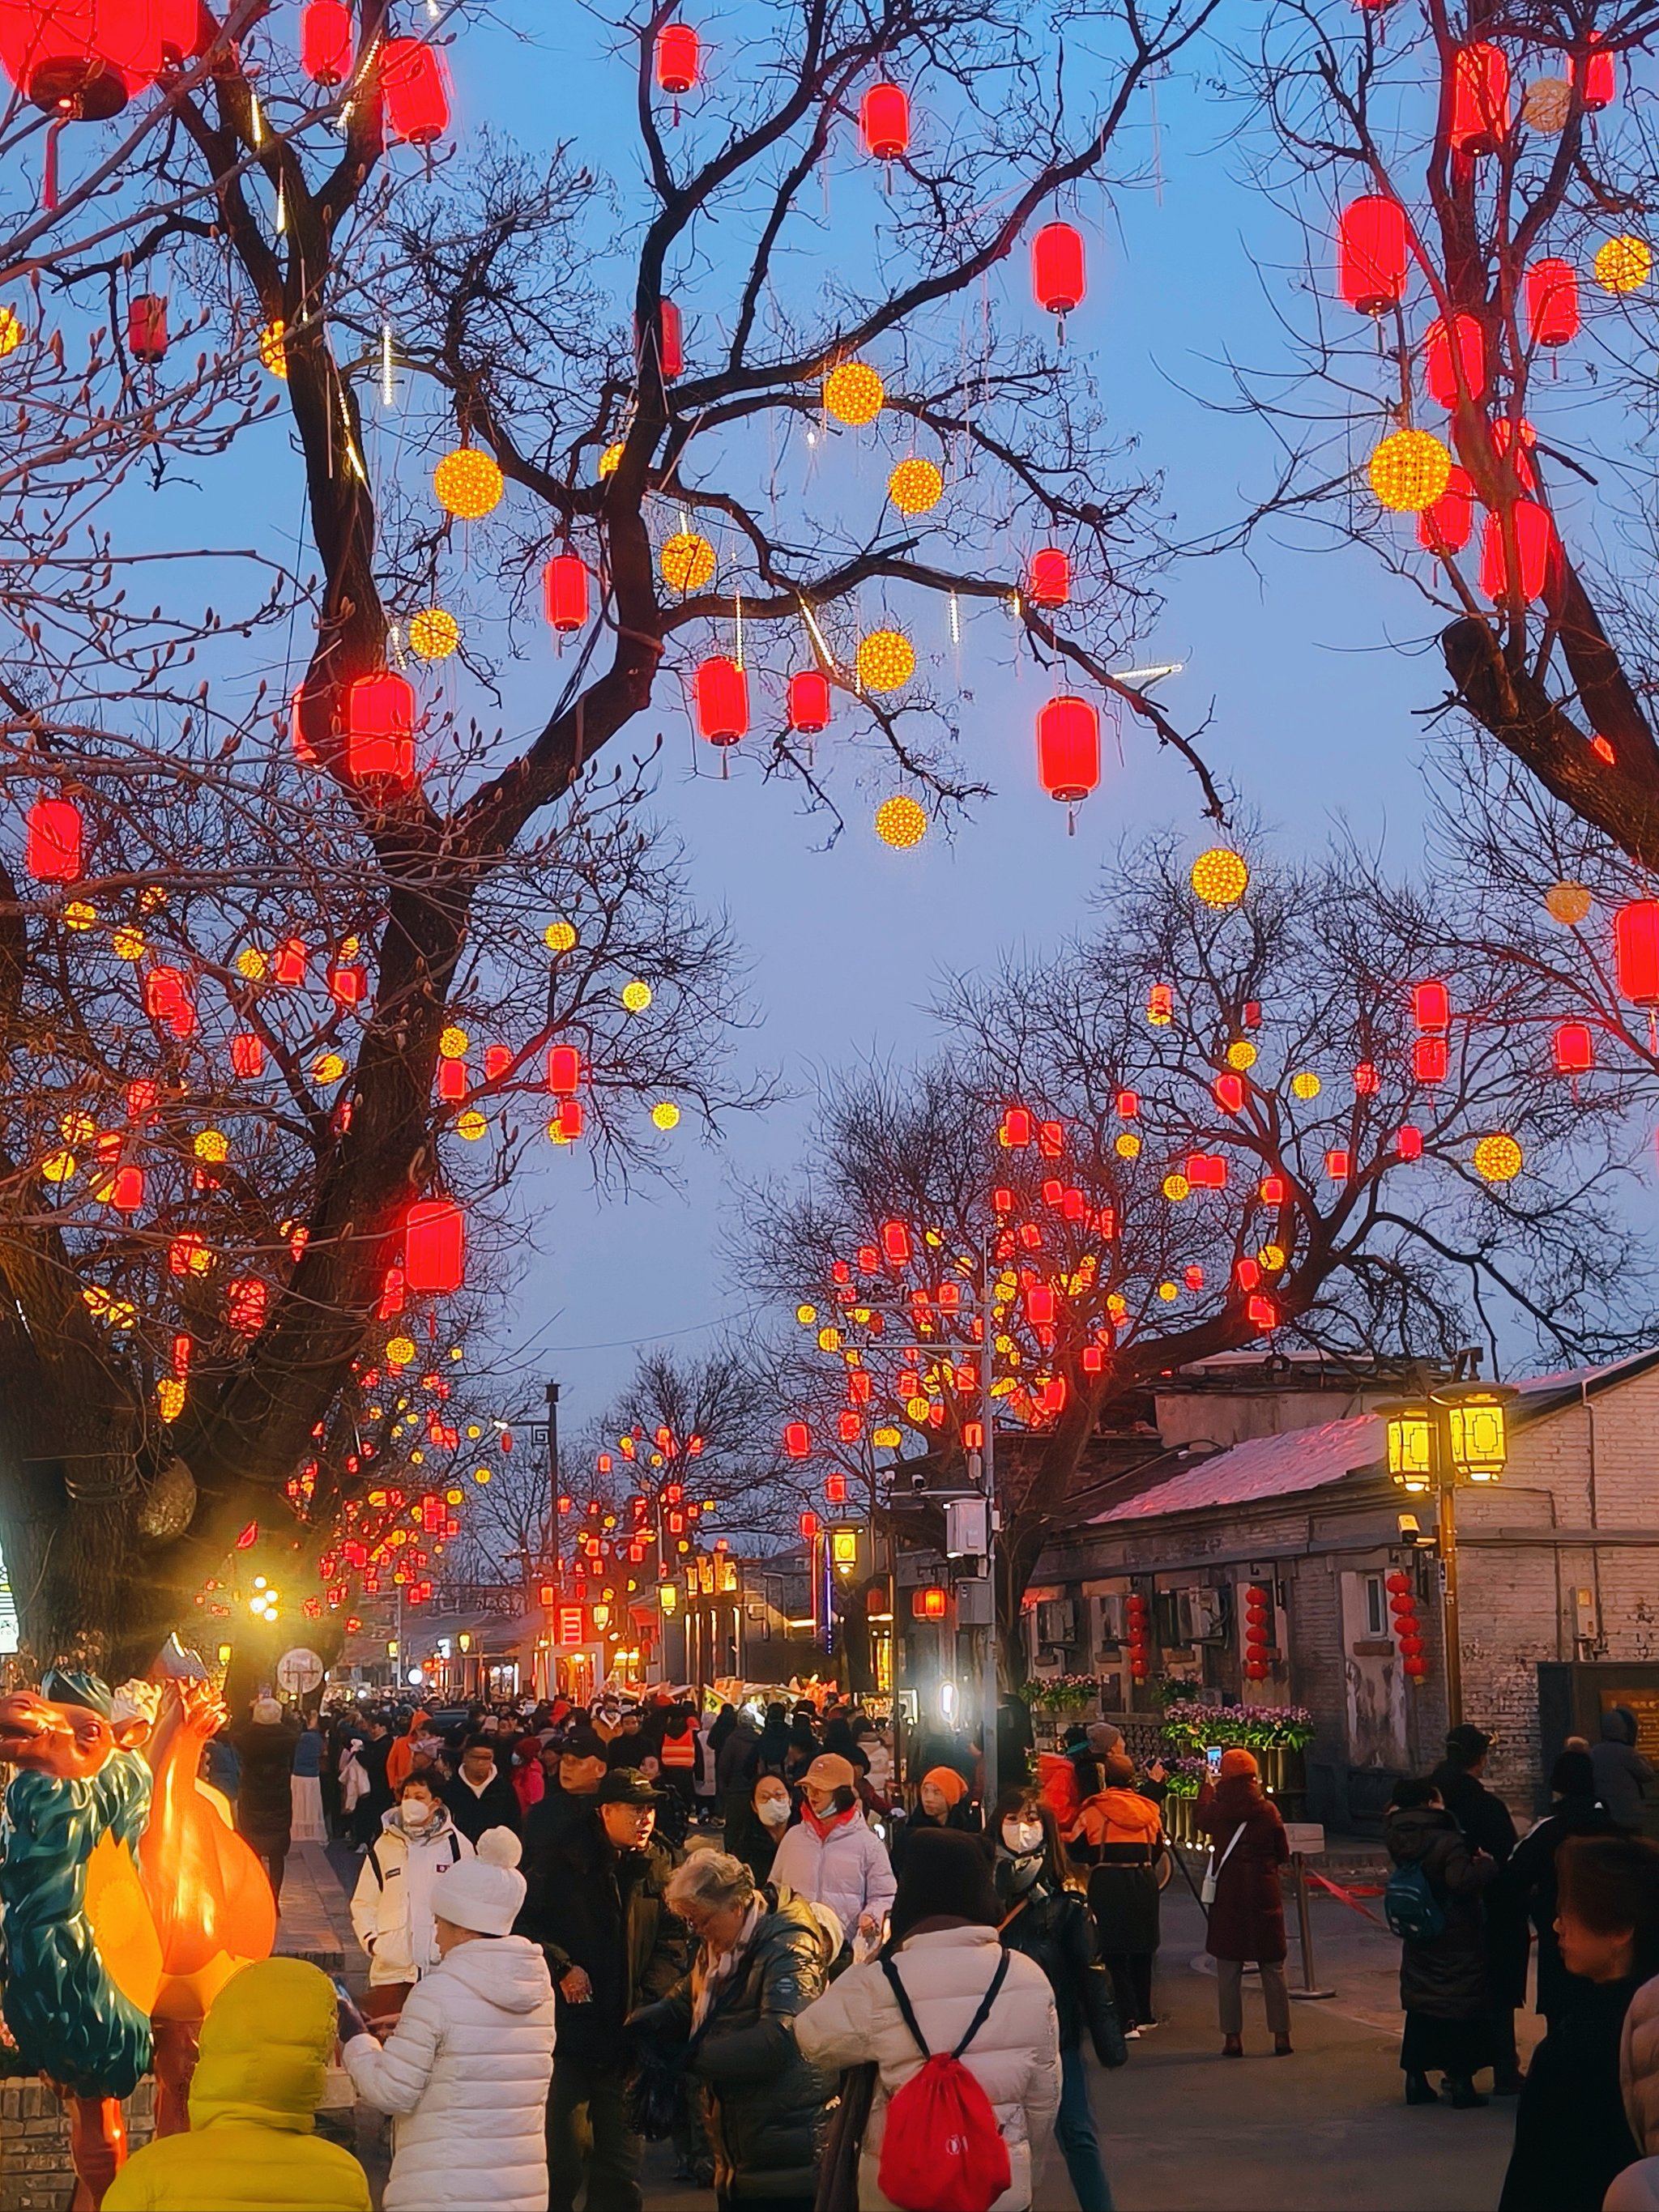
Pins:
x: 820, y: 1827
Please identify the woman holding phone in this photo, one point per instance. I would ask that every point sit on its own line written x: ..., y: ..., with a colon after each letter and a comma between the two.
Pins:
x: 1118, y: 1836
x: 1247, y: 1909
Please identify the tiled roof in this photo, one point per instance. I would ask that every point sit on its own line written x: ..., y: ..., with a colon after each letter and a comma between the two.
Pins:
x: 1265, y: 1467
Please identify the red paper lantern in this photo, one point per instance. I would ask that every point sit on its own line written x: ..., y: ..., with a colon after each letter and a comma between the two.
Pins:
x: 380, y: 729
x: 1339, y: 1163
x: 797, y: 1440
x: 571, y: 1118
x: 415, y: 86
x: 1552, y: 303
x: 564, y: 1070
x: 54, y: 841
x: 722, y: 700
x: 169, y: 999
x: 808, y: 701
x: 435, y: 1247
x: 1068, y: 749
x: 930, y: 1602
x: 1229, y: 1090
x: 1534, y: 545
x: 247, y: 1053
x: 896, y: 1243
x: 1597, y: 72
x: 1480, y: 101
x: 677, y: 58
x: 1441, y: 359
x: 1058, y: 276
x: 885, y: 122
x: 1372, y: 254
x: 1503, y: 441
x: 564, y: 592
x: 126, y: 1191
x: 79, y: 59
x: 1430, y: 1006
x: 1448, y: 525
x: 1408, y: 1141
x: 1430, y: 1059
x: 147, y: 327
x: 328, y: 43
x: 246, y: 1301
x: 1048, y: 577
x: 181, y: 29
x: 1574, y: 1048
x: 1636, y: 951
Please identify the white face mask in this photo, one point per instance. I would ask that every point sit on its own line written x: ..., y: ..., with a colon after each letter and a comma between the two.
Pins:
x: 417, y: 1812
x: 1022, y: 1836
x: 775, y: 1811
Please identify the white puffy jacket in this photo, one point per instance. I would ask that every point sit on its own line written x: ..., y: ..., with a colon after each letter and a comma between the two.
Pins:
x: 1015, y: 2057
x: 391, y: 1904
x: 848, y: 1869
x: 466, y: 2070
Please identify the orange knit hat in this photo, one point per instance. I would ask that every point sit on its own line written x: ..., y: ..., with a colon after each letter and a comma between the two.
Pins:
x: 1238, y: 1762
x: 947, y: 1782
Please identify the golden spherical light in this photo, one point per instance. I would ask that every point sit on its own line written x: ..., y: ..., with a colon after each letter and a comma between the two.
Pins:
x: 78, y: 915
x: 1127, y: 1146
x: 328, y: 1068
x: 128, y: 943
x: 400, y: 1351
x: 1498, y: 1158
x: 1568, y: 903
x: 433, y: 634
x: 1219, y: 877
x: 1546, y: 105
x: 1623, y: 263
x: 470, y: 1125
x: 273, y: 348
x: 11, y: 331
x: 212, y: 1145
x: 1410, y: 470
x: 1176, y: 1186
x: 611, y: 460
x: 853, y: 393
x: 636, y: 997
x: 666, y: 1114
x: 886, y: 660
x: 687, y: 562
x: 454, y: 1042
x: 915, y: 487
x: 1241, y: 1054
x: 901, y: 822
x: 252, y: 964
x: 1304, y: 1084
x: 559, y: 936
x: 468, y: 483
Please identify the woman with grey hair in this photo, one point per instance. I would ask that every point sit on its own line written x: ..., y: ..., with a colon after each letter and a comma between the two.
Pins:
x: 760, y: 1959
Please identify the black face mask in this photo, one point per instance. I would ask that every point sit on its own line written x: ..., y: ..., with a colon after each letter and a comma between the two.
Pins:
x: 1016, y: 1877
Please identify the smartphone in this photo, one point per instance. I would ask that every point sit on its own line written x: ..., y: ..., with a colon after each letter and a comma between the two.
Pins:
x: 1212, y: 1759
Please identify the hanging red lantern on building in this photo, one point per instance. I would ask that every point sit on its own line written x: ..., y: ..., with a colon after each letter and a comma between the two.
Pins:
x: 1059, y: 277
x: 415, y: 87
x: 565, y: 592
x: 328, y: 43
x: 54, y: 839
x: 1636, y: 951
x: 1597, y: 72
x: 1480, y: 101
x: 1442, y: 360
x: 1574, y: 1048
x: 435, y: 1247
x: 1048, y: 577
x: 1430, y: 1006
x: 147, y: 327
x: 1068, y: 749
x: 1535, y: 549
x: 380, y: 729
x: 677, y: 58
x: 722, y: 700
x: 1372, y: 254
x: 1449, y: 524
x: 808, y: 701
x: 885, y: 122
x: 1552, y: 302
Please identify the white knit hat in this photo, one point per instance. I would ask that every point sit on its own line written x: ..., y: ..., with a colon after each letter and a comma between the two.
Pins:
x: 481, y: 1894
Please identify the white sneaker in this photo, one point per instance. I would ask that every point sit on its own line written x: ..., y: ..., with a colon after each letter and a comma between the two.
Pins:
x: 1132, y: 2035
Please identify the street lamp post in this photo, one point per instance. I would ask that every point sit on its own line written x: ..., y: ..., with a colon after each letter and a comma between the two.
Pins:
x: 1457, y: 1433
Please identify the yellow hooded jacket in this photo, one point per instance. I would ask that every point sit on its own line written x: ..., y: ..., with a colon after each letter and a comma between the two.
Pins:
x: 266, y: 2042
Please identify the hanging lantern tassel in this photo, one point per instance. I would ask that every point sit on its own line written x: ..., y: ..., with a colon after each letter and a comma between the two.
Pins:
x: 49, y: 182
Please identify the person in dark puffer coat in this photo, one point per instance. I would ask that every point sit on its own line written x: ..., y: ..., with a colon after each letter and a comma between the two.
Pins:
x: 1444, y: 1990
x: 763, y: 1957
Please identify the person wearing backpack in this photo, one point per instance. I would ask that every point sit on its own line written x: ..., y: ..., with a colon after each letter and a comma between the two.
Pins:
x: 1246, y: 1906
x: 964, y: 2040
x: 1432, y: 1903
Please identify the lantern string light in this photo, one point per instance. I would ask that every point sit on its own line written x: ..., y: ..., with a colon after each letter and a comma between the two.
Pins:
x: 388, y: 389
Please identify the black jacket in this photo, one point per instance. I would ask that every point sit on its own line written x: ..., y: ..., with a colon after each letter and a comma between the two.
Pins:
x: 1570, y: 2133
x: 264, y: 1802
x: 1529, y: 1881
x: 1445, y: 1977
x: 1056, y: 1929
x: 592, y: 1906
x: 1487, y: 1825
x: 748, y: 1839
x: 496, y: 1806
x: 766, y: 2110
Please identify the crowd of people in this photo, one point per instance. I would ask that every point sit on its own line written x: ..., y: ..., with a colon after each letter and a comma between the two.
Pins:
x: 844, y: 1980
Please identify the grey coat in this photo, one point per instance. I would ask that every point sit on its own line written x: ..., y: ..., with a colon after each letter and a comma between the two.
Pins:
x: 1622, y: 1775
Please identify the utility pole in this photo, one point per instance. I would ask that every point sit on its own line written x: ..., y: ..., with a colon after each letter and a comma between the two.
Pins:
x: 550, y: 1546
x: 988, y: 1467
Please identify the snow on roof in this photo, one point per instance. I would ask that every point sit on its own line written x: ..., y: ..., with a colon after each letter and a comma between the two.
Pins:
x: 1265, y: 1467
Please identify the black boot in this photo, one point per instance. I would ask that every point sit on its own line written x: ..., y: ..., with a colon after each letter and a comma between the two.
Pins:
x: 1464, y: 2095
x: 1417, y: 2091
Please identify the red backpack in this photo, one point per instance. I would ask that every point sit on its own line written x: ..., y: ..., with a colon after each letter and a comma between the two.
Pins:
x: 943, y: 2150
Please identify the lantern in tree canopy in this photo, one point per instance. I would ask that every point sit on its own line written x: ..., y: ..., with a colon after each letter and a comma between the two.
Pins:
x: 415, y: 86
x: 435, y: 1247
x: 885, y: 122
x: 1534, y: 544
x: 797, y: 1440
x: 1444, y: 356
x: 79, y: 59
x: 896, y: 1243
x: 677, y: 58
x: 1449, y: 524
x: 901, y: 822
x: 1048, y: 577
x: 722, y: 700
x: 1636, y: 951
x: 53, y: 840
x: 1409, y: 471
x: 468, y: 483
x: 564, y: 592
x: 1408, y: 1143
x: 808, y: 701
x: 1430, y: 1006
x: 1623, y: 264
x: 1430, y: 1058
x: 1068, y: 749
x: 169, y: 999
x: 1552, y: 301
x: 147, y: 327
x: 1597, y: 72
x: 1372, y: 254
x: 687, y: 561
x: 247, y: 1053
x: 564, y: 1069
x: 1480, y: 101
x: 1058, y: 276
x: 380, y: 729
x: 1219, y: 877
x: 853, y: 393
x: 1498, y: 1158
x: 180, y: 27
x: 1574, y: 1048
x: 328, y: 43
x: 915, y: 486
